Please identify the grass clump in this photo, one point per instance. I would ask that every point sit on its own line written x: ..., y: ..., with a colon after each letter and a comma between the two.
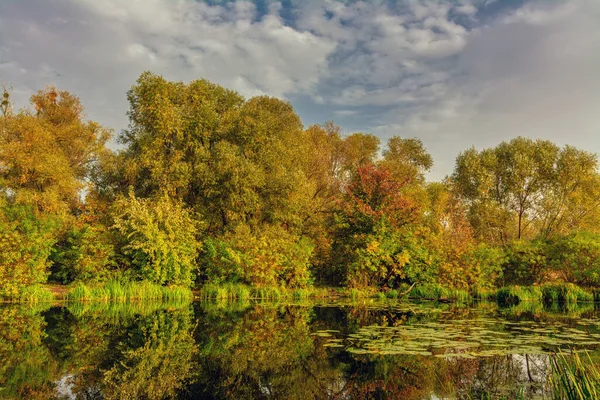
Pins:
x: 567, y: 293
x: 574, y: 378
x: 513, y: 295
x: 227, y: 291
x: 238, y: 292
x: 433, y: 291
x: 117, y: 291
x: 35, y: 294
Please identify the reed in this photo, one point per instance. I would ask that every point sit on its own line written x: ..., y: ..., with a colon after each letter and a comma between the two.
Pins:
x: 567, y: 293
x: 34, y: 294
x: 573, y: 377
x: 513, y: 295
x: 121, y: 292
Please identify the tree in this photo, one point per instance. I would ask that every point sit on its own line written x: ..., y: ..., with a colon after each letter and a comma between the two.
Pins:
x: 368, y: 243
x: 407, y: 159
x: 522, y: 188
x: 26, y: 240
x: 47, y: 154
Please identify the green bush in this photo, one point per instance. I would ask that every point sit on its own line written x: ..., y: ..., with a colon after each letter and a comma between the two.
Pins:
x: 270, y: 256
x: 576, y: 258
x: 26, y: 241
x: 486, y: 263
x: 158, y: 239
x: 86, y: 253
x: 526, y: 262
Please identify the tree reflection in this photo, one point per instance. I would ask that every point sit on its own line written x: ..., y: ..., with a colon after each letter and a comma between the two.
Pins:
x: 26, y: 367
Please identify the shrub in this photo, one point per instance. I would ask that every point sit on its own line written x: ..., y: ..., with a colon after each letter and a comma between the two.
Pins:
x: 526, y: 262
x: 271, y: 256
x: 26, y: 241
x: 158, y: 239
x: 86, y: 253
x: 576, y: 258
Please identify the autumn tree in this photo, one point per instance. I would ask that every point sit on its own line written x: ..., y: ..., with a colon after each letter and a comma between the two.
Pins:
x: 370, y: 245
x: 523, y: 189
x: 47, y: 153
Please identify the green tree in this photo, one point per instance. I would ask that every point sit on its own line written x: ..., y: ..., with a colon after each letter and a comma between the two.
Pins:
x: 523, y: 189
x: 26, y: 241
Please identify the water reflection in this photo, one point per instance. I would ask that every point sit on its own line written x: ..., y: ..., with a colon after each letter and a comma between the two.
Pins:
x: 270, y: 351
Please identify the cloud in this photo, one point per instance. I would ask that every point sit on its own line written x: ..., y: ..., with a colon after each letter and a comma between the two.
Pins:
x: 98, y: 48
x: 534, y: 73
x: 454, y: 73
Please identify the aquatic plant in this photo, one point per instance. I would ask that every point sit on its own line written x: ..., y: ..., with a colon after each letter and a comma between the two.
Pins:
x: 117, y: 291
x: 574, y: 378
x: 565, y: 293
x: 513, y: 295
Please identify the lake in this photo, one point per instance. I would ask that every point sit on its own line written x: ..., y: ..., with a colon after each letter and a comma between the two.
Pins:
x: 366, y: 349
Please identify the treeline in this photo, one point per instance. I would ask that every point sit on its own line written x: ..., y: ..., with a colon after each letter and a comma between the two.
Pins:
x: 210, y: 187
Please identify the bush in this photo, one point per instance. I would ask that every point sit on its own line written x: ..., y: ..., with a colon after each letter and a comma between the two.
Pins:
x: 86, y: 253
x: 576, y: 258
x: 158, y: 239
x: 26, y: 241
x: 526, y: 262
x: 269, y: 257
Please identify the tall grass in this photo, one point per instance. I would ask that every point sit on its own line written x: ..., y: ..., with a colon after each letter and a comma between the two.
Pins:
x: 565, y: 293
x: 573, y: 378
x: 238, y: 291
x: 34, y: 294
x: 117, y: 291
x: 513, y: 295
x: 438, y: 292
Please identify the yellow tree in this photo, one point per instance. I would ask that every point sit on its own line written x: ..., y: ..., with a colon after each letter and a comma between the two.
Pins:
x: 47, y: 153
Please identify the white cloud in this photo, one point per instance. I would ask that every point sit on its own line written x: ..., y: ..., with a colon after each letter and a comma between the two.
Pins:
x: 535, y: 75
x: 98, y: 48
x: 455, y: 73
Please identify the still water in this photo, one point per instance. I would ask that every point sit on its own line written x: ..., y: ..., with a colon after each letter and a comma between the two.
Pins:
x: 378, y: 350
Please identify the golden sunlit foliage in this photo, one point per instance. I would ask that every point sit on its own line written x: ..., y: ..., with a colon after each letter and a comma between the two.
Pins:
x: 211, y: 187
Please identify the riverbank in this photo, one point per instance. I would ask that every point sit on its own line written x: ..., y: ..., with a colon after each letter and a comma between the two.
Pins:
x: 117, y: 291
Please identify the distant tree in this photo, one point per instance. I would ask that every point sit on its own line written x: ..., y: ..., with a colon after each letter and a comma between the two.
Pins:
x: 525, y: 188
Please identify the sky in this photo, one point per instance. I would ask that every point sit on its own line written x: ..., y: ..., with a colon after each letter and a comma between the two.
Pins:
x: 453, y: 73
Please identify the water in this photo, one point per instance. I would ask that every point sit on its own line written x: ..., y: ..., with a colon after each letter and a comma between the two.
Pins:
x: 373, y: 350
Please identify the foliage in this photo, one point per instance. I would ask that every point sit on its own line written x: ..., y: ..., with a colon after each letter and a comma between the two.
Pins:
x: 85, y: 253
x: 372, y: 245
x: 528, y: 188
x: 26, y: 240
x: 270, y: 257
x: 576, y: 258
x: 526, y: 262
x: 47, y: 153
x: 159, y: 239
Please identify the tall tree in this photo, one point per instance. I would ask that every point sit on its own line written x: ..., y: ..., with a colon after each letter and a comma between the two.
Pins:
x: 522, y: 188
x: 47, y: 153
